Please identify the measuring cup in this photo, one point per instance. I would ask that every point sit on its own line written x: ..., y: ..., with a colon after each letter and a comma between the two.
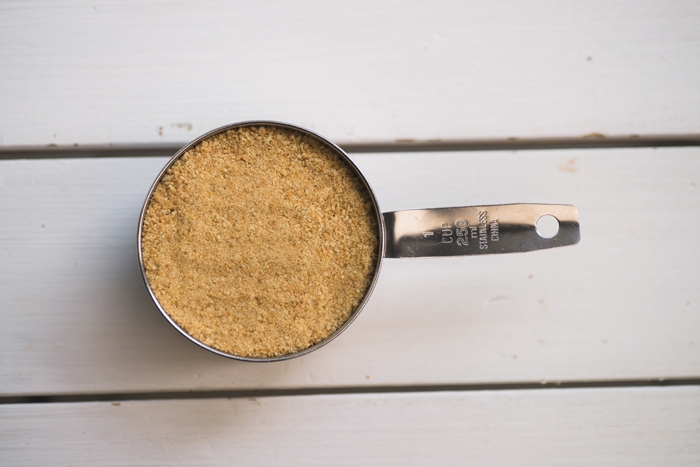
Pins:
x: 455, y: 231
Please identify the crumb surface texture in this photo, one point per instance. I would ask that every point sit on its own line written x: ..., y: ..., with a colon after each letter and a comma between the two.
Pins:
x: 260, y: 241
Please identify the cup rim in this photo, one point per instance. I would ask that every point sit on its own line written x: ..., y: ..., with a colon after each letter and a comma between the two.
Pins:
x: 338, y: 151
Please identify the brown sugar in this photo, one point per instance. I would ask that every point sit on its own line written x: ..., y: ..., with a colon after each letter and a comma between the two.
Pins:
x: 260, y: 241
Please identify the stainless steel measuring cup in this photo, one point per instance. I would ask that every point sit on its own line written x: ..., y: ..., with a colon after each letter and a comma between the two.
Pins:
x: 457, y: 231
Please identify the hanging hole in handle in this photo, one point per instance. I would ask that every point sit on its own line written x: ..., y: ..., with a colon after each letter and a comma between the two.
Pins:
x: 547, y: 226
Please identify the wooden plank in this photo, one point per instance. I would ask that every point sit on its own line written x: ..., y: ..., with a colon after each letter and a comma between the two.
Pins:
x: 547, y: 427
x: 623, y: 304
x: 153, y: 73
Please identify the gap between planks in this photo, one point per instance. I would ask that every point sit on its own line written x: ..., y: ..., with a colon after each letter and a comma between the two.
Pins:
x: 248, y: 393
x: 592, y: 141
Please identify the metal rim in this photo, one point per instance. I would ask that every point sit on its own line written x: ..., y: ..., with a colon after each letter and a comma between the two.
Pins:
x: 380, y: 224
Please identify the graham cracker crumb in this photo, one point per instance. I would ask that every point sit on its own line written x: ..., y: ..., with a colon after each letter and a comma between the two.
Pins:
x: 260, y: 241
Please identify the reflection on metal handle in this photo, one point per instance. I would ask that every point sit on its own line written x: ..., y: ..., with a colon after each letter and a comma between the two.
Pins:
x: 477, y: 230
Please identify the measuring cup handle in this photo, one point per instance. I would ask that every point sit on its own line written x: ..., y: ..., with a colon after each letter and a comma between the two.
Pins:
x: 480, y: 230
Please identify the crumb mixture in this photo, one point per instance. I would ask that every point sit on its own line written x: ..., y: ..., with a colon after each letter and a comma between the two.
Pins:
x: 260, y: 241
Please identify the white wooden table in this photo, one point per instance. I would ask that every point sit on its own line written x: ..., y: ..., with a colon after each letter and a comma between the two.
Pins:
x: 588, y: 355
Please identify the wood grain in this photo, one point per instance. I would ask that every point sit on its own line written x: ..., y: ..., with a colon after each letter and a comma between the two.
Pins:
x: 623, y: 304
x: 125, y: 73
x: 575, y: 427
